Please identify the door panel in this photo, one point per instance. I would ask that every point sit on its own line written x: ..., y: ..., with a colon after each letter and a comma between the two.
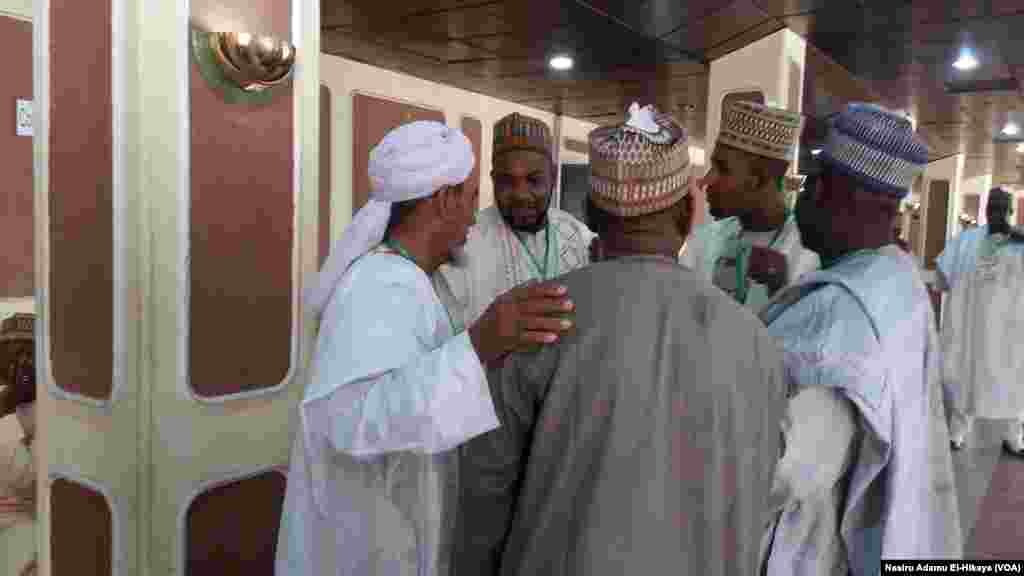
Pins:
x: 372, y: 119
x: 226, y: 327
x: 232, y: 528
x: 937, y: 213
x: 87, y: 441
x: 81, y: 179
x: 241, y: 243
x: 81, y: 529
x: 16, y: 274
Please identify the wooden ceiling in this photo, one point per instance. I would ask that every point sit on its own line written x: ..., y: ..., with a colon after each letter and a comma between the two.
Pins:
x: 897, y: 52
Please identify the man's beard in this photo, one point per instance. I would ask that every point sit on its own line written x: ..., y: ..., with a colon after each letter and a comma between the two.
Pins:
x: 530, y: 228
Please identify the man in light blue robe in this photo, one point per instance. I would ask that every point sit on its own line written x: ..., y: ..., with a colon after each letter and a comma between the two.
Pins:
x: 866, y: 472
x: 982, y: 270
x: 395, y: 384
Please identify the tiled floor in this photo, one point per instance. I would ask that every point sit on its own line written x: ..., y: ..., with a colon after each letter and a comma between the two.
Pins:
x: 991, y: 487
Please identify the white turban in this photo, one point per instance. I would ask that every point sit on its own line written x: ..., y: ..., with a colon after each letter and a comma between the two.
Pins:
x: 413, y: 161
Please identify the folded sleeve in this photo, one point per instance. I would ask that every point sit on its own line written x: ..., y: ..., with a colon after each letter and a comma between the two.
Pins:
x: 380, y: 386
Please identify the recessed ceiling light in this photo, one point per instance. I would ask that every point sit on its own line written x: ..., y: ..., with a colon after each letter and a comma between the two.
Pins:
x: 1011, y: 129
x: 966, y: 61
x: 816, y: 151
x: 560, y: 62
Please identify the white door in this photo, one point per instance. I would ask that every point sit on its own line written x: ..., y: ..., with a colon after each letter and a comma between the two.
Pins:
x: 174, y: 226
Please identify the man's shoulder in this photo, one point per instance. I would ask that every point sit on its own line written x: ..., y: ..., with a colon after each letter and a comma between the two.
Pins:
x: 379, y: 270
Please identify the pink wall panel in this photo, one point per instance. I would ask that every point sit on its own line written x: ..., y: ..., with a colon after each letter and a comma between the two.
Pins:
x: 232, y: 529
x: 372, y: 119
x: 81, y: 531
x: 81, y: 198
x: 16, y: 274
x: 474, y: 131
x: 241, y: 242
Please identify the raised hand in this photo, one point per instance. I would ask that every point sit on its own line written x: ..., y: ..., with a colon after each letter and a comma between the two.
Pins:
x: 521, y: 318
x: 768, y: 267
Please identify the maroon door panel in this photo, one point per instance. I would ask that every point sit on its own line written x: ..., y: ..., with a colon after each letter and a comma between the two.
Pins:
x: 242, y: 230
x: 81, y: 530
x: 232, y: 529
x: 372, y: 119
x: 474, y: 131
x: 16, y: 221
x: 81, y: 223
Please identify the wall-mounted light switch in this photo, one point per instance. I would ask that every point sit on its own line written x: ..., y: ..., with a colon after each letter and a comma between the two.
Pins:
x: 23, y: 125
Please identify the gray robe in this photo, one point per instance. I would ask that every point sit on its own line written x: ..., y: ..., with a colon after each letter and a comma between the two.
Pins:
x: 644, y: 442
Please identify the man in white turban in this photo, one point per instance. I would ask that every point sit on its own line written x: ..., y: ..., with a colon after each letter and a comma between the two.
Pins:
x: 394, y: 383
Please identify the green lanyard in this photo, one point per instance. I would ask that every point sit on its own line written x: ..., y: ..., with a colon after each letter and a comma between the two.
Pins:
x: 542, y: 271
x: 743, y: 261
x: 394, y: 245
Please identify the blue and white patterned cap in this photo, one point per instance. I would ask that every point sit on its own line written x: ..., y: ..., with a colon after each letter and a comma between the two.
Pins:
x: 877, y: 147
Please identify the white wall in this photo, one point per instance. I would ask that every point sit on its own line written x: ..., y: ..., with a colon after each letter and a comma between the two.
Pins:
x: 10, y: 306
x: 773, y: 65
x: 345, y: 77
x: 21, y: 9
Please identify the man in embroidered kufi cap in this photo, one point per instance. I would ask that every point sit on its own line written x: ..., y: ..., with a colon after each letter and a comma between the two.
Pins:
x: 522, y: 237
x: 395, y: 385
x: 17, y: 430
x: 866, y: 472
x: 644, y: 442
x: 754, y: 248
x: 982, y: 269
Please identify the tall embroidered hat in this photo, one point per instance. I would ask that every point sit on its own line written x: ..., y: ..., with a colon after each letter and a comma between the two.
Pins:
x: 19, y: 326
x: 876, y: 147
x: 518, y: 132
x: 641, y: 166
x: 761, y: 130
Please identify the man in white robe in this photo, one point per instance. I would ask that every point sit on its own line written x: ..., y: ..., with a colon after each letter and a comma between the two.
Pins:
x: 395, y: 383
x: 982, y: 270
x: 746, y: 191
x: 866, y: 472
x: 521, y: 237
x: 753, y: 248
x: 17, y: 429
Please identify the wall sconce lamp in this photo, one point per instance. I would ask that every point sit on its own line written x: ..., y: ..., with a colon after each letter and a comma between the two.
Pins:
x: 253, y: 63
x: 243, y: 66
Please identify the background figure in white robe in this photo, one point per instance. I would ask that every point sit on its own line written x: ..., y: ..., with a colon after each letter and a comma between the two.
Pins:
x: 753, y: 249
x: 867, y: 473
x: 644, y: 443
x: 522, y: 236
x: 394, y: 382
x: 17, y: 462
x: 982, y: 270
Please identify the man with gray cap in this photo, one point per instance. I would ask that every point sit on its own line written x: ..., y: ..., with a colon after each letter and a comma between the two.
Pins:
x: 644, y: 442
x: 866, y: 473
x: 982, y: 270
x: 394, y: 383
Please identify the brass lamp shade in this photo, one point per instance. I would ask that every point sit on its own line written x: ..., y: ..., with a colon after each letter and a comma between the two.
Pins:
x: 254, y: 63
